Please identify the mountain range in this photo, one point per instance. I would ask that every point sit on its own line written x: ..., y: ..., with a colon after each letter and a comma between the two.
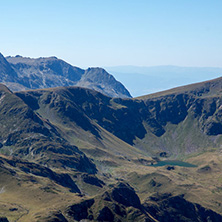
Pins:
x: 72, y: 153
x: 20, y: 73
x: 157, y: 116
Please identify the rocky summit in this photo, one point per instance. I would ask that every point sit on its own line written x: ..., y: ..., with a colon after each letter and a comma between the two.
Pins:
x: 20, y: 73
x: 71, y: 153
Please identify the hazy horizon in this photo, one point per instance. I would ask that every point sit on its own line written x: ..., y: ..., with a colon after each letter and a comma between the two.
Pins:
x: 146, y: 80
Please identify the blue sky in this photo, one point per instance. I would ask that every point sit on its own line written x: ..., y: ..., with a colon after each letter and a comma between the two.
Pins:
x: 114, y: 32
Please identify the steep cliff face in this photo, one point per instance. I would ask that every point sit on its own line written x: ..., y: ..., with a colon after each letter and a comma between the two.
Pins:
x: 202, y: 101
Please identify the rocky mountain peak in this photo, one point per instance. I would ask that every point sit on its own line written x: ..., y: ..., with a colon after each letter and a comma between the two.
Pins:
x: 100, y: 80
x: 45, y: 72
x: 8, y: 74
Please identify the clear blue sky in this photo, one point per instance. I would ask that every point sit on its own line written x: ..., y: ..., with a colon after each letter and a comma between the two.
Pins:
x: 114, y: 32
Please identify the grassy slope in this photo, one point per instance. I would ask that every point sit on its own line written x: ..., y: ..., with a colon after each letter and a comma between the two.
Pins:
x: 34, y: 202
x: 200, y: 185
x: 78, y: 128
x: 29, y: 195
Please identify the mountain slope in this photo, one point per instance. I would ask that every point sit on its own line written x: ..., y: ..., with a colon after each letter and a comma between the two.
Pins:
x: 69, y: 108
x: 188, y: 117
x: 26, y: 135
x: 20, y: 73
x: 8, y: 74
x: 98, y: 79
x: 123, y: 138
x: 44, y: 72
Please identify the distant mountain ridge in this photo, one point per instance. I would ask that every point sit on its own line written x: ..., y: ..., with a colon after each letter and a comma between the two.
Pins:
x: 21, y: 73
x: 141, y: 80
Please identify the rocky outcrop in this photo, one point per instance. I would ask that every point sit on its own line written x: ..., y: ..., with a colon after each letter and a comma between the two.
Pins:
x: 81, y: 211
x: 205, y: 169
x: 93, y: 180
x: 119, y: 203
x: 105, y: 215
x: 167, y: 208
x: 126, y: 195
x: 3, y: 219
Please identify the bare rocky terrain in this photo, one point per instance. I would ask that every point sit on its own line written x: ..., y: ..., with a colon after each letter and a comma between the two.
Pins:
x: 20, y: 73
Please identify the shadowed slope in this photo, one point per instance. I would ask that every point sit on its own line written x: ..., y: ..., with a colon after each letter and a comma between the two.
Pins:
x: 25, y: 134
x: 187, y: 117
